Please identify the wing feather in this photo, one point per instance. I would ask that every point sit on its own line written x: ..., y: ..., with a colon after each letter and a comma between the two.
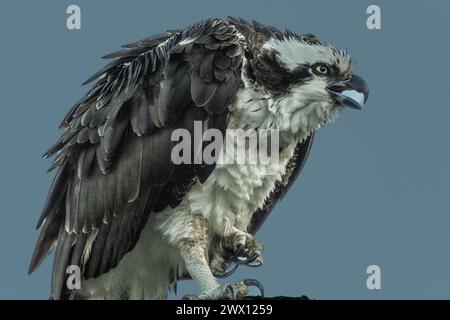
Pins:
x: 114, y: 154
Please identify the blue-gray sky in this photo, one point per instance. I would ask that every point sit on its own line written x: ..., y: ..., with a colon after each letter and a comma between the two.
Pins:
x: 375, y: 189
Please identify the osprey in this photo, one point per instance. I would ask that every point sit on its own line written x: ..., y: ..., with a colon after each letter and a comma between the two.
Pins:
x: 135, y: 222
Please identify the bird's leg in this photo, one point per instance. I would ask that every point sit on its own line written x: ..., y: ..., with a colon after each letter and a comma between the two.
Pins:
x: 193, y: 252
x: 192, y: 249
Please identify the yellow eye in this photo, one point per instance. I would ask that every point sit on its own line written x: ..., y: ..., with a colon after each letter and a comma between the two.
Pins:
x: 321, y: 69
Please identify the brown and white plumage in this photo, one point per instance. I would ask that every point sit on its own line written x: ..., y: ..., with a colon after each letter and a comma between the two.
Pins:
x: 119, y: 202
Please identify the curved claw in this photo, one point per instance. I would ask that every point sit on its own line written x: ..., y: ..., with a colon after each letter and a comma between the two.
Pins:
x: 247, y: 260
x: 234, y: 259
x: 231, y: 292
x: 229, y: 272
x: 237, y: 259
x: 238, y: 252
x: 255, y: 264
x: 254, y: 283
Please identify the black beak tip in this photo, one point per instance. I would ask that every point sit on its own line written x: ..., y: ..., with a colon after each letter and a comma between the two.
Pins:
x: 352, y: 92
x: 360, y: 85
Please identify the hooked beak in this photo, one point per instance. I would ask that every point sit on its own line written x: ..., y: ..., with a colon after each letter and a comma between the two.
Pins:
x: 352, y: 92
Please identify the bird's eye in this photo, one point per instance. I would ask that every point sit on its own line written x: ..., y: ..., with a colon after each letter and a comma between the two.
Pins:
x: 321, y: 69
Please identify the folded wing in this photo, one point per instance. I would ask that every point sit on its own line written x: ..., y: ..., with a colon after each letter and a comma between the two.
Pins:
x: 113, y: 159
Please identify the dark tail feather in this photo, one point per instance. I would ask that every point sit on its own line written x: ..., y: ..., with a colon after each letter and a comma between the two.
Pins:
x: 51, y: 220
x: 62, y: 259
x: 56, y: 194
x: 47, y: 239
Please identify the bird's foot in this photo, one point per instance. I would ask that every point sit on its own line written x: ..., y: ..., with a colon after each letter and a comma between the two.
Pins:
x: 235, y: 291
x: 245, y: 251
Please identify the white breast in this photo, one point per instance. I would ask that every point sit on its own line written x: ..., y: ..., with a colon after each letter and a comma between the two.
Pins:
x: 227, y: 199
x: 234, y: 192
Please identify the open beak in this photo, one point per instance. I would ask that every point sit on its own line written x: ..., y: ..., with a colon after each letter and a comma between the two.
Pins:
x: 352, y: 92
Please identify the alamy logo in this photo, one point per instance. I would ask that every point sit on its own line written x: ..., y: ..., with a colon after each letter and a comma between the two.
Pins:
x: 237, y: 146
x: 374, y: 280
x: 74, y: 277
x: 374, y: 20
x: 73, y: 21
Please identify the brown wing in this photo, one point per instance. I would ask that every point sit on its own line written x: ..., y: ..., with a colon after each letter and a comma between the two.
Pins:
x: 113, y: 159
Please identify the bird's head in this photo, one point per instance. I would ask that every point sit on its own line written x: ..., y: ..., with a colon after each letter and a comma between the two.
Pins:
x: 309, y: 81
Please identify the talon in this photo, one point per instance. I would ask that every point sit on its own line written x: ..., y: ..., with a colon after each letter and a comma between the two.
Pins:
x: 250, y: 259
x: 231, y: 292
x: 247, y: 251
x: 254, y: 283
x: 238, y: 260
x: 237, y: 253
x: 255, y: 263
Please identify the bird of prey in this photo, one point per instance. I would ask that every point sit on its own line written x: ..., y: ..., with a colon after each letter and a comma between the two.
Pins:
x: 132, y: 220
